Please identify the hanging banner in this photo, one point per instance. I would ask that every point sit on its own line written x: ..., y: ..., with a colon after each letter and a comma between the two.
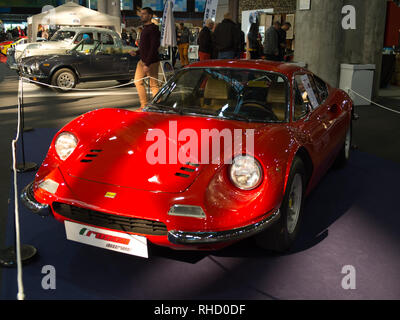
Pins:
x: 211, y: 10
x: 168, y: 35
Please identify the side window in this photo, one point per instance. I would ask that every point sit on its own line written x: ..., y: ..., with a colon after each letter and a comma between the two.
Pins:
x: 300, y: 103
x: 87, y: 36
x: 322, y: 88
x: 107, y: 39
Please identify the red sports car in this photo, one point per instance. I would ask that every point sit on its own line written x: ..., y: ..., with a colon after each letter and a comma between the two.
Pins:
x: 226, y: 150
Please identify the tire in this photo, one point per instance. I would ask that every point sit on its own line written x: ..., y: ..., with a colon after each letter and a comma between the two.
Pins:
x: 344, y: 154
x: 281, y: 235
x: 64, y: 78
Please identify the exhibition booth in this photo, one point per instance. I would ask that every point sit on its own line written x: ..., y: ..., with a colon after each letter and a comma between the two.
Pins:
x: 72, y: 14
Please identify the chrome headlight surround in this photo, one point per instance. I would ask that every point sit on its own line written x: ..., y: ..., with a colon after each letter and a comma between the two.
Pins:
x: 65, y: 144
x: 35, y: 67
x: 245, y: 172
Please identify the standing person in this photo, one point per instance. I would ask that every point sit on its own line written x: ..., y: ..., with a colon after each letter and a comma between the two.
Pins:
x: 182, y: 39
x: 227, y: 38
x: 253, y: 42
x: 242, y: 45
x: 282, y: 39
x: 45, y: 34
x: 205, y: 41
x: 149, y: 58
x: 271, y: 42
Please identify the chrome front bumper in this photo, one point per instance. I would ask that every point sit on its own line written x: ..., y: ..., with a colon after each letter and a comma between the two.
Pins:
x: 196, y: 238
x: 30, y: 202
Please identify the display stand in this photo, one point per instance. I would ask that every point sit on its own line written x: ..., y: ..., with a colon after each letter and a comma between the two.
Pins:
x: 8, y: 256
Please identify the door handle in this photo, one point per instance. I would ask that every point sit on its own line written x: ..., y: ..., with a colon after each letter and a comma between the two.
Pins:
x: 124, y: 58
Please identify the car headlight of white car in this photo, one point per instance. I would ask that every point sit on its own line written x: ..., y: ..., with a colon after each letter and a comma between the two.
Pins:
x: 65, y: 144
x: 245, y: 172
x: 35, y: 67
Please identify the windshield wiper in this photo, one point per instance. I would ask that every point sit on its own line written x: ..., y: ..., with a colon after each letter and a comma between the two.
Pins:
x: 198, y: 111
x: 221, y: 114
x: 160, y: 107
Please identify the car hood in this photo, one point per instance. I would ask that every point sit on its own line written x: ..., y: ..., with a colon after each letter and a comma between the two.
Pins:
x: 122, y: 152
x: 44, y: 58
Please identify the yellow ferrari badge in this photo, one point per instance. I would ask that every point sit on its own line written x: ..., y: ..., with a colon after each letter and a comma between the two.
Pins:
x: 110, y: 195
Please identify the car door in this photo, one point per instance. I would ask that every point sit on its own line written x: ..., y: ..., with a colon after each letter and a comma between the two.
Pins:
x: 335, y: 117
x: 309, y: 122
x: 122, y: 59
x: 106, y: 58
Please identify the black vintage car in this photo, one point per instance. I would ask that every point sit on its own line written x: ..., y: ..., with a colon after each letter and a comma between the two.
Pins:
x: 87, y: 61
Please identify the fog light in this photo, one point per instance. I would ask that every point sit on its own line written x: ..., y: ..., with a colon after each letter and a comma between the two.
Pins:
x: 49, y: 185
x: 187, y: 211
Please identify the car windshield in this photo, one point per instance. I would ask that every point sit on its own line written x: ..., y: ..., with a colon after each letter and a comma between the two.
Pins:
x: 232, y: 93
x: 63, y: 35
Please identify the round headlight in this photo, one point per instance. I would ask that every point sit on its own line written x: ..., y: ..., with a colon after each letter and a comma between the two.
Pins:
x: 65, y: 144
x: 35, y: 66
x: 245, y: 172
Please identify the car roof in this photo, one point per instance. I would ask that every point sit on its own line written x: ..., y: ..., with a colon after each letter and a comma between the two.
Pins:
x: 285, y: 68
x: 85, y: 29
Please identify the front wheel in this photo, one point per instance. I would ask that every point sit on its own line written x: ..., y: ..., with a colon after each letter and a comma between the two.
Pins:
x: 281, y: 236
x: 344, y: 154
x: 64, y: 79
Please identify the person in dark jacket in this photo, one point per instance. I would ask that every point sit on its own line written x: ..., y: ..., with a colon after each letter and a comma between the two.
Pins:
x: 253, y: 42
x: 149, y: 57
x: 182, y: 39
x: 282, y: 40
x: 205, y: 41
x: 271, y: 42
x: 226, y: 38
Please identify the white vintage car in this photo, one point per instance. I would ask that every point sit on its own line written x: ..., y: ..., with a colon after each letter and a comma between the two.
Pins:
x: 22, y: 45
x: 67, y: 38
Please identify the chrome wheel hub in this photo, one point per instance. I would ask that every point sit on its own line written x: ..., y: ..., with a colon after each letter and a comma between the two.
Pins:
x: 66, y: 80
x: 347, y: 144
x: 294, y: 203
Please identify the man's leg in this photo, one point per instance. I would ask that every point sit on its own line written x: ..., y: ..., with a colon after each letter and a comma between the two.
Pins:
x: 153, y: 74
x: 139, y: 74
x: 186, y: 53
x: 181, y: 57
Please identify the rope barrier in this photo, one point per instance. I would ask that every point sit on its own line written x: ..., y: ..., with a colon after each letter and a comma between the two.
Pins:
x: 89, y: 89
x: 372, y: 102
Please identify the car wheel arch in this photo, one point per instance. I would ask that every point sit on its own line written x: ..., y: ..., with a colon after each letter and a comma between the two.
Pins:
x: 56, y: 68
x: 305, y: 157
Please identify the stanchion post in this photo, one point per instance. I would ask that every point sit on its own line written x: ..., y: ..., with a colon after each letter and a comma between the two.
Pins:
x: 24, y: 166
x: 10, y: 256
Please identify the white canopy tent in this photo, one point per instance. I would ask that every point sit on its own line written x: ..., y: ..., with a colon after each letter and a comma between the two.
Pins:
x: 72, y: 14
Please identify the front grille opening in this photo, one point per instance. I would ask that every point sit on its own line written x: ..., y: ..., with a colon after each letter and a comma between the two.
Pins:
x: 110, y: 221
x: 86, y: 160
